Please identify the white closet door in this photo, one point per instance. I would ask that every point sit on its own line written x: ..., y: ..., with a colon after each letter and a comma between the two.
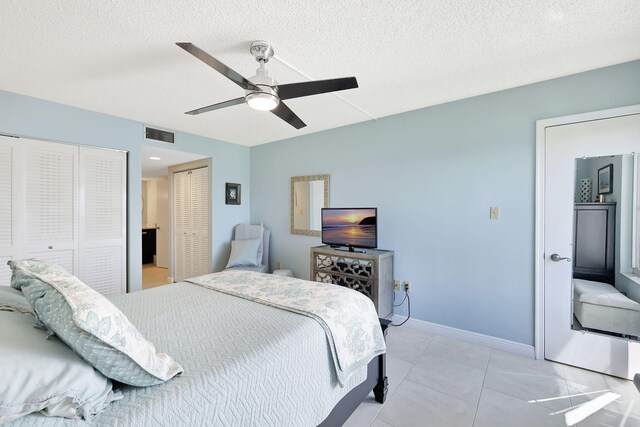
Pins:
x: 191, y: 223
x: 200, y: 221
x: 182, y: 224
x: 102, y: 219
x: 8, y: 240
x: 50, y: 203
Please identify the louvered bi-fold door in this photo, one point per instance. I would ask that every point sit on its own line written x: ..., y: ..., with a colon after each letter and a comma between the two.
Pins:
x: 8, y: 245
x: 102, y: 220
x: 50, y: 185
x: 200, y: 221
x: 191, y: 223
x: 182, y: 224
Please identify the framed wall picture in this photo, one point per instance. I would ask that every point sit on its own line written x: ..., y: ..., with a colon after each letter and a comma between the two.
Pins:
x: 232, y: 194
x: 605, y: 179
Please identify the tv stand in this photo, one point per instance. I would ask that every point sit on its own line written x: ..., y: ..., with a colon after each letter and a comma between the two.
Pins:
x: 370, y: 273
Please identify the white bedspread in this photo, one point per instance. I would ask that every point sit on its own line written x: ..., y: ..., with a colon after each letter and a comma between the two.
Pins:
x: 245, y: 364
x: 348, y: 317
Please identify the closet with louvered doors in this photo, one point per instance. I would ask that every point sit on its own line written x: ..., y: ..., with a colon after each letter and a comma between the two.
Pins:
x: 66, y: 204
x: 191, y: 223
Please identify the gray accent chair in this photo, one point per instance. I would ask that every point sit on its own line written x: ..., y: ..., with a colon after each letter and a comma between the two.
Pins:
x: 264, y: 266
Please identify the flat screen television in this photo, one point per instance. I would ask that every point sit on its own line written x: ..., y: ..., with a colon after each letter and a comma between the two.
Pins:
x: 350, y: 227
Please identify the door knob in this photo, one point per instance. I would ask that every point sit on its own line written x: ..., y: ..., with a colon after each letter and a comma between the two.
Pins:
x: 50, y: 247
x: 558, y: 258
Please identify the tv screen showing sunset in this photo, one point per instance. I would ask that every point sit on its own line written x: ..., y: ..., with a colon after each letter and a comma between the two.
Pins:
x: 349, y: 227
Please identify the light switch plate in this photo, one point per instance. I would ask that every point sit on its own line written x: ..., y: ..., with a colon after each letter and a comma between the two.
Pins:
x: 494, y: 212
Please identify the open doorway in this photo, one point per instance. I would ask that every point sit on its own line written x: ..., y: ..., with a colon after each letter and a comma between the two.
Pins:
x: 157, y: 211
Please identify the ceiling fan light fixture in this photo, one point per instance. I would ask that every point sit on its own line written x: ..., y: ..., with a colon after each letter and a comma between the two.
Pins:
x: 262, y: 101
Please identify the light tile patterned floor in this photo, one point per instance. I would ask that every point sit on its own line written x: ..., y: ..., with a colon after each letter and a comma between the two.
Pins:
x: 153, y: 276
x: 438, y: 381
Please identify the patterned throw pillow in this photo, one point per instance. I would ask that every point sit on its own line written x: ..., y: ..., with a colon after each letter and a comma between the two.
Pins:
x: 90, y: 324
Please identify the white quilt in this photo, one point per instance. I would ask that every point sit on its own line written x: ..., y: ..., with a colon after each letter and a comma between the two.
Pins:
x: 245, y: 364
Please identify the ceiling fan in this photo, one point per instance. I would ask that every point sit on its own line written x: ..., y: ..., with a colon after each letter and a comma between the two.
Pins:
x: 261, y: 91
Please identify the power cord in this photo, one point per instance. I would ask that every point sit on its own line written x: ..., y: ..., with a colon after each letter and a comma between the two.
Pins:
x: 408, y: 299
x: 401, y: 302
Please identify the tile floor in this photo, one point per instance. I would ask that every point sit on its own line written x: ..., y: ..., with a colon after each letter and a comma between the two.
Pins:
x: 438, y: 381
x: 153, y: 276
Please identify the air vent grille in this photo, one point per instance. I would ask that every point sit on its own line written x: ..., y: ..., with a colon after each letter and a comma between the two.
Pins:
x: 159, y: 135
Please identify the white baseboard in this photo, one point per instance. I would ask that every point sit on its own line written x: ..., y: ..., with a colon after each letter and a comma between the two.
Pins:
x: 471, y: 337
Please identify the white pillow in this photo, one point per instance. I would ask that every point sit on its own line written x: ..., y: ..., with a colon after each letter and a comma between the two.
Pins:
x: 244, y: 253
x: 40, y: 374
x: 13, y: 300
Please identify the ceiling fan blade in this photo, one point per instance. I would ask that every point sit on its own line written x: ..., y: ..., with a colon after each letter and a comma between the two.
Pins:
x: 288, y: 116
x: 232, y: 75
x: 217, y: 106
x: 296, y: 90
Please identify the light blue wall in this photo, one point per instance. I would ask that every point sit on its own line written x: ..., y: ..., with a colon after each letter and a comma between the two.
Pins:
x: 433, y: 173
x: 34, y: 118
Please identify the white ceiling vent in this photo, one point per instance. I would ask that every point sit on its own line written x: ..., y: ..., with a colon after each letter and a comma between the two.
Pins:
x: 159, y: 135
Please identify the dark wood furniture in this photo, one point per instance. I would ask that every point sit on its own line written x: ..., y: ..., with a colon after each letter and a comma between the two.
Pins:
x: 594, y: 238
x: 148, y: 245
x: 369, y: 272
x: 376, y: 381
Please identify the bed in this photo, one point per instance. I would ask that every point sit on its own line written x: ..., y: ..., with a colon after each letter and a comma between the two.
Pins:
x: 245, y: 364
x: 601, y: 306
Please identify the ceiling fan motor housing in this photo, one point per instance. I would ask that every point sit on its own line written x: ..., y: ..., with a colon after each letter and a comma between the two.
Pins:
x: 267, y: 96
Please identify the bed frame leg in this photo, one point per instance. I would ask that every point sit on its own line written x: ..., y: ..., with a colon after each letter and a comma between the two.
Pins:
x: 380, y: 389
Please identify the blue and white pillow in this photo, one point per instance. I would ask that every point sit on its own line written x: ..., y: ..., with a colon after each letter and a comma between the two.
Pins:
x: 91, y: 325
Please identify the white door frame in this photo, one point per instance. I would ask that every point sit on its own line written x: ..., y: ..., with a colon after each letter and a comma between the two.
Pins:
x: 541, y: 126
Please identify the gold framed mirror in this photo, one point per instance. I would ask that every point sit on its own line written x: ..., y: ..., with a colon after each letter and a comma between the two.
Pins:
x: 309, y: 194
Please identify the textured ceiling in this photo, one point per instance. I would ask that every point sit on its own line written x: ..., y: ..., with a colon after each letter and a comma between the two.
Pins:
x: 118, y: 56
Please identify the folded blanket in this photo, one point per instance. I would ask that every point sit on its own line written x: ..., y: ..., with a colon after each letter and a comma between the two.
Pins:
x: 348, y: 318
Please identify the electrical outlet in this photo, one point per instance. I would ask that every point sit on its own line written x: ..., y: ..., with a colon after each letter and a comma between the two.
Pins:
x: 397, y: 285
x: 407, y: 286
x: 278, y: 265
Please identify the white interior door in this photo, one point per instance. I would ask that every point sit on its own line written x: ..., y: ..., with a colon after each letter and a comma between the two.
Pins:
x: 51, y: 203
x: 191, y: 223
x: 200, y: 221
x: 182, y: 225
x: 102, y: 220
x: 563, y: 145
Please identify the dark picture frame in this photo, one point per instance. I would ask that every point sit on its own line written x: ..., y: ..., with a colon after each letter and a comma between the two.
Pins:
x: 605, y: 179
x: 232, y: 194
